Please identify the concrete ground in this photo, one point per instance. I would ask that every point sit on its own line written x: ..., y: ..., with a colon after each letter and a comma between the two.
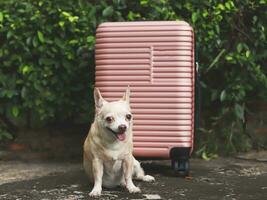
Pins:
x: 223, y: 178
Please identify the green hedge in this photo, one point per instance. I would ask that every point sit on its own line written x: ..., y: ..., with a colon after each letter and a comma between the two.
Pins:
x: 46, y: 58
x: 47, y: 61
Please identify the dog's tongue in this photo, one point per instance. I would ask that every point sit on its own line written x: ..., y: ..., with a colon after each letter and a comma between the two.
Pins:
x: 121, y: 136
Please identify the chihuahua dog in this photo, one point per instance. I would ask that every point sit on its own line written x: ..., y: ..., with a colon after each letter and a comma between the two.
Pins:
x: 107, y: 158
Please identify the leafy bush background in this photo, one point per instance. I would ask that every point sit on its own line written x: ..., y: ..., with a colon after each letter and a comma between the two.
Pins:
x: 47, y: 61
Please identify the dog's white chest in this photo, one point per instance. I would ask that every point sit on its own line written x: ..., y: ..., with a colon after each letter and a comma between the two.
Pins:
x: 117, y: 153
x: 112, y: 166
x: 112, y: 173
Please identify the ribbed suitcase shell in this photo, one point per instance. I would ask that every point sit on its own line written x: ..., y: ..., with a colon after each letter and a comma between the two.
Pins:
x: 156, y: 59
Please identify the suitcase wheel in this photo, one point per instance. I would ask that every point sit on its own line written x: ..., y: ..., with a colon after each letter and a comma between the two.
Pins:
x: 181, y: 167
x: 180, y: 160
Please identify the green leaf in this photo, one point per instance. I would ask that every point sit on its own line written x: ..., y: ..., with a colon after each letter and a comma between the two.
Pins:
x: 255, y: 18
x: 221, y: 6
x: 40, y: 3
x: 223, y: 96
x: 60, y: 43
x: 216, y: 59
x: 1, y: 17
x: 66, y: 14
x: 9, y: 34
x: 108, y: 11
x: 239, y: 111
x: 91, y: 40
x: 28, y: 41
x: 35, y: 42
x: 40, y: 36
x: 205, y: 13
x: 24, y: 92
x: 239, y: 47
x: 143, y: 2
x: 194, y: 17
x: 25, y: 69
x: 15, y: 111
x: 61, y: 23
x: 247, y: 53
x: 228, y: 5
x: 229, y: 58
x: 10, y: 93
x: 5, y: 134
x: 130, y: 16
x: 208, y: 156
x: 73, y: 19
x: 205, y: 156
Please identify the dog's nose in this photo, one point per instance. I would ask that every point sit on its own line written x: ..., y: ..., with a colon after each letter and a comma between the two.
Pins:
x: 122, y: 128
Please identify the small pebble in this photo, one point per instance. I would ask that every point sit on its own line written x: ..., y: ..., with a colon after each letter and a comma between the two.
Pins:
x: 152, y: 196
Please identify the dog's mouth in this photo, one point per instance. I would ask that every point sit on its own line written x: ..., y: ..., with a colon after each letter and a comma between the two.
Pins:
x: 119, y: 135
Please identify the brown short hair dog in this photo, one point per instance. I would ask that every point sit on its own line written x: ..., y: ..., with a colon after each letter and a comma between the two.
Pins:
x: 108, y: 158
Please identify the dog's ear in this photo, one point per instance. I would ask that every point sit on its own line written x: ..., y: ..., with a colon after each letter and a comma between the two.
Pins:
x: 99, y: 101
x: 126, y: 96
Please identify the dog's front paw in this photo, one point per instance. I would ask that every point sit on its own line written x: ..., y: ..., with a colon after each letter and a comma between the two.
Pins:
x: 134, y: 189
x: 96, y: 192
x: 148, y: 178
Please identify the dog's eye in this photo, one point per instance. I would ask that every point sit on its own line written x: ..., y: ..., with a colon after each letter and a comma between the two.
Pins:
x: 128, y: 116
x: 109, y: 119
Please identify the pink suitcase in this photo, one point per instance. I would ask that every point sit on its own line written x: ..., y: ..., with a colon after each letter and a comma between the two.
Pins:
x: 156, y: 59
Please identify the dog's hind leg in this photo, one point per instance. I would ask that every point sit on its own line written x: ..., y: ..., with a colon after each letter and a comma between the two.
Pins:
x: 139, y: 173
